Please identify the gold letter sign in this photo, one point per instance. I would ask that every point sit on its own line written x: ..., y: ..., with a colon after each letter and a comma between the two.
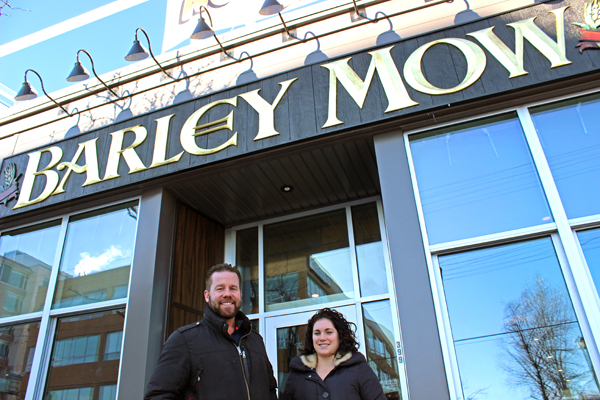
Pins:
x: 475, y: 66
x: 131, y: 157
x: 381, y: 60
x: 31, y: 173
x: 188, y: 131
x: 266, y: 111
x: 513, y: 62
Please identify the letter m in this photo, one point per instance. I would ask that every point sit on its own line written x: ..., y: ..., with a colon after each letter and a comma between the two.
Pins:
x: 382, y: 62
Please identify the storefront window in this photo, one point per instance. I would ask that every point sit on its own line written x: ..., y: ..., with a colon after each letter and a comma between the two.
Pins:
x: 570, y: 138
x: 369, y: 250
x: 95, y: 266
x: 247, y: 263
x: 16, y: 343
x: 307, y: 261
x: 477, y: 179
x: 380, y: 346
x: 85, y: 356
x: 514, y: 327
x: 97, y: 256
x: 26, y: 262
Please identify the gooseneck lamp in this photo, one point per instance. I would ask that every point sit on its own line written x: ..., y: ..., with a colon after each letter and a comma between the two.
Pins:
x: 138, y: 52
x: 272, y: 7
x: 79, y: 73
x: 28, y: 93
x: 203, y: 30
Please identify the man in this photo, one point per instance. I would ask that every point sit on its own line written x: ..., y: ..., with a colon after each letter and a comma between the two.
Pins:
x: 219, y: 357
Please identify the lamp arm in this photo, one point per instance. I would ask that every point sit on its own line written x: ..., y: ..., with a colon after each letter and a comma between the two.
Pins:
x: 284, y: 25
x: 94, y: 71
x: 44, y: 90
x: 356, y: 8
x: 222, y: 48
x: 205, y: 9
x: 152, y: 54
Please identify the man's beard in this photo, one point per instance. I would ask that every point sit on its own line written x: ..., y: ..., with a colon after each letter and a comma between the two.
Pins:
x: 220, y: 312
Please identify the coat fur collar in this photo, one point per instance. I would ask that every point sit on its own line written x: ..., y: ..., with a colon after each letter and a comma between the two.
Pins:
x: 311, y: 360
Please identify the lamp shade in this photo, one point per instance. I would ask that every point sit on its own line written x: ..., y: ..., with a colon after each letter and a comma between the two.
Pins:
x: 78, y: 73
x: 270, y: 7
x: 137, y: 52
x: 26, y: 92
x: 202, y: 30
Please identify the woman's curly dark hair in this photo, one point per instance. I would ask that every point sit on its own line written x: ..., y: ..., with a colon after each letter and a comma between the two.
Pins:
x: 346, y: 331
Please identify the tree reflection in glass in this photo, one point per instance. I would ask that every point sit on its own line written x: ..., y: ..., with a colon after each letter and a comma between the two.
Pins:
x: 290, y: 340
x: 515, y: 331
x: 546, y: 346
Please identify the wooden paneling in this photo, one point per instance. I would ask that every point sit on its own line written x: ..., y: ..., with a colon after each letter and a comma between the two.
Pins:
x: 199, y: 244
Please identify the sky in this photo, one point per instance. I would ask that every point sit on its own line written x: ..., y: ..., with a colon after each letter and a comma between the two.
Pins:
x: 107, y: 39
x: 46, y: 35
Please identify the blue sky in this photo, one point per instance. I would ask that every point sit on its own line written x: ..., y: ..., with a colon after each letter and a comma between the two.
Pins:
x: 106, y: 29
x: 108, y: 39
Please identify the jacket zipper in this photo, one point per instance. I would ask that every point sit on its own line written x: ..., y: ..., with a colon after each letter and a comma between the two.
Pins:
x: 242, y: 354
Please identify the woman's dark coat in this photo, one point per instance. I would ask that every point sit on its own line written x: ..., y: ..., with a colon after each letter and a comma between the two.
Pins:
x: 351, y: 379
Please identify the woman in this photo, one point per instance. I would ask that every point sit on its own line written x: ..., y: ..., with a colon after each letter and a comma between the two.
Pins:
x: 330, y: 366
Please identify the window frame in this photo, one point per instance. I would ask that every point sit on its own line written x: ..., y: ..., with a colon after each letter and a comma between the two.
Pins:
x: 48, y: 317
x: 562, y: 231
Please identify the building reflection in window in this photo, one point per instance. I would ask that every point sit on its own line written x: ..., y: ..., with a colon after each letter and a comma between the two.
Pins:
x: 380, y: 346
x: 26, y: 258
x: 97, y: 256
x: 307, y: 261
x: 515, y: 331
x: 17, y: 345
x: 85, y: 357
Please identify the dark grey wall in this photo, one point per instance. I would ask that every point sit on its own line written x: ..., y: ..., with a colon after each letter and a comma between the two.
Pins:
x: 420, y: 337
x: 146, y: 310
x: 303, y: 110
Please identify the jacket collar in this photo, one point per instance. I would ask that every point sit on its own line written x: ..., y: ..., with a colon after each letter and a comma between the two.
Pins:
x: 220, y: 325
x: 310, y: 360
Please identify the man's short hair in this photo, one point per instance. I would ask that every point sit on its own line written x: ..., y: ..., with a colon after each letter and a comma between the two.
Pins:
x: 221, y: 268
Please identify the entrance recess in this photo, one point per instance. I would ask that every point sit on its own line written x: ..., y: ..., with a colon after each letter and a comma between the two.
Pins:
x: 284, y: 339
x: 333, y: 257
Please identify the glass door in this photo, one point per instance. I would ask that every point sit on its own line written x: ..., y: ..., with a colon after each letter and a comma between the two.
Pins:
x: 284, y: 339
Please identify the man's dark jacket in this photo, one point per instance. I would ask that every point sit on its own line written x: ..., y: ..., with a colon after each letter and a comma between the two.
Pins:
x: 201, y: 359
